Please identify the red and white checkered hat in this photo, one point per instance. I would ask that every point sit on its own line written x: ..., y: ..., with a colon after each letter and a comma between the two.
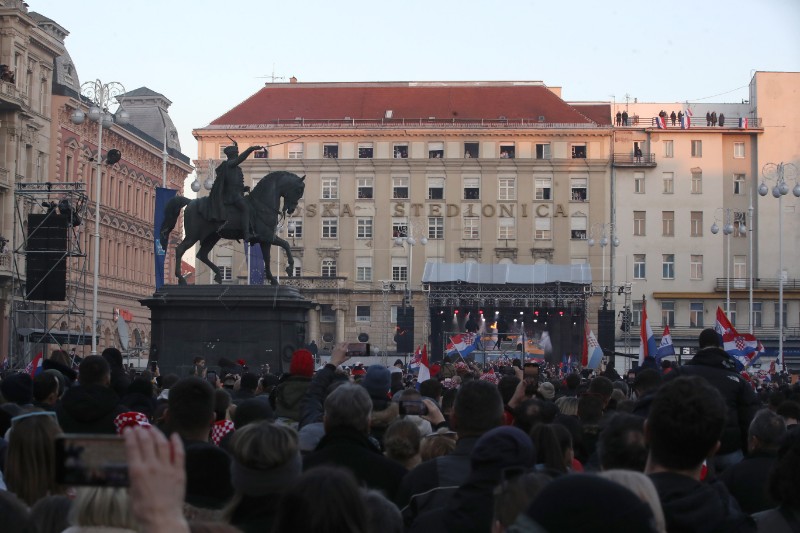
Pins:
x: 220, y: 429
x: 130, y: 419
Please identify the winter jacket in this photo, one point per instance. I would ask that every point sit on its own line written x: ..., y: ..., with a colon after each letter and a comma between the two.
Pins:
x: 88, y: 409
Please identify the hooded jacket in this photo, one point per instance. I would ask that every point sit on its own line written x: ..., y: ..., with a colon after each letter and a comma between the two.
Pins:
x: 88, y: 409
x: 288, y: 395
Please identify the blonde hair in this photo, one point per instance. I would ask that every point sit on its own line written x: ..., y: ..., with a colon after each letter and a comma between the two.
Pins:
x: 568, y: 405
x: 31, y: 463
x: 102, y: 507
x: 643, y: 487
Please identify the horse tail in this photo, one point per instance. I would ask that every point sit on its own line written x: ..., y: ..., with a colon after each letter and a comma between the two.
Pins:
x: 171, y: 213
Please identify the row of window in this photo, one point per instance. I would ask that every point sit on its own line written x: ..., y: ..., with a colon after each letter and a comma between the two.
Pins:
x: 695, y: 223
x: 695, y: 267
x: 471, y: 150
x: 668, y: 183
x: 507, y: 188
x: 697, y: 149
x: 697, y: 313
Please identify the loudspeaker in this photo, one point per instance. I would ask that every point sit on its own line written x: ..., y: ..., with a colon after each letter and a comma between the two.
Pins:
x: 46, y: 263
x: 605, y: 328
x: 405, y: 330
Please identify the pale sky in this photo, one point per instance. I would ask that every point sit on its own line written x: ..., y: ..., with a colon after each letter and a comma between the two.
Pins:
x: 207, y: 56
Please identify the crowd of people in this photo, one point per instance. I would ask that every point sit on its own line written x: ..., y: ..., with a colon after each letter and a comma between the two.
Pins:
x: 515, y: 446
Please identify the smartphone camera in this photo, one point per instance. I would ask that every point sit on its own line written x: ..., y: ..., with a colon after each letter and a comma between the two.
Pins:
x: 413, y: 407
x: 93, y: 460
x: 358, y: 349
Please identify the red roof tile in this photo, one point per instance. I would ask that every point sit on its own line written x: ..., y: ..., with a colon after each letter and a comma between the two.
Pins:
x: 461, y: 100
x: 599, y: 113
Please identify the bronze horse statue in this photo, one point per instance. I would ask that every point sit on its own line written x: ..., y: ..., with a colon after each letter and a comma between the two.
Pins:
x: 265, y: 209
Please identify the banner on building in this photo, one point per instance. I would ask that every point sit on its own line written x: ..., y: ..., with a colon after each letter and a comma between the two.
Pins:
x: 162, y: 197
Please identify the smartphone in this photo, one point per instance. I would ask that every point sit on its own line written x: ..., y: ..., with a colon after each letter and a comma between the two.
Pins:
x: 211, y: 376
x: 413, y: 407
x: 358, y: 349
x: 153, y: 365
x: 94, y: 460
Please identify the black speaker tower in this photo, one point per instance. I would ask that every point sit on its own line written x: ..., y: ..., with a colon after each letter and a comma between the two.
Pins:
x: 605, y: 331
x: 46, y: 258
x: 404, y: 336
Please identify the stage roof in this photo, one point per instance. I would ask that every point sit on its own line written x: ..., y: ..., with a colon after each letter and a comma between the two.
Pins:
x: 506, y: 274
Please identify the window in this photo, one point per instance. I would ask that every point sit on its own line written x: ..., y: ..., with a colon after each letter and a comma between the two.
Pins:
x: 295, y: 228
x: 739, y: 184
x: 399, y: 269
x: 401, y: 151
x: 638, y: 182
x: 472, y: 188
x: 669, y: 149
x: 330, y: 228
x: 578, y: 189
x: 224, y: 264
x: 668, y: 266
x: 697, y: 181
x: 435, y: 150
x: 668, y: 179
x: 330, y: 151
x: 579, y: 151
x: 639, y: 220
x: 471, y: 150
x: 757, y: 312
x: 330, y: 188
x: 636, y: 314
x: 362, y: 313
x: 639, y: 266
x: 472, y: 228
x: 739, y: 224
x: 544, y: 188
x: 365, y: 150
x: 436, y: 227
x: 328, y: 268
x: 295, y: 150
x: 543, y: 228
x: 697, y: 148
x: 298, y: 267
x: 739, y: 270
x: 435, y: 188
x: 400, y: 188
x: 399, y: 227
x: 363, y: 269
x: 222, y: 152
x: 668, y: 223
x: 578, y: 225
x: 543, y: 151
x: 738, y: 150
x: 326, y: 313
x: 696, y: 224
x: 507, y: 190
x: 364, y: 188
x: 778, y: 319
x: 695, y: 314
x: 68, y: 168
x: 507, y: 151
x: 364, y: 227
x: 668, y: 313
x: 506, y: 228
x: 731, y: 313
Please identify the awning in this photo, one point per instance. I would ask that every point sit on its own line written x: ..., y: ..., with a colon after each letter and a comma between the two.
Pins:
x: 497, y: 274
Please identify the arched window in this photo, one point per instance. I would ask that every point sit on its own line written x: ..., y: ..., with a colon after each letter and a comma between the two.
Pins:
x: 328, y: 268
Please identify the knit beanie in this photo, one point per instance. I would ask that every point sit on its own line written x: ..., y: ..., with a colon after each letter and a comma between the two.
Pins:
x: 302, y: 363
x: 18, y: 388
x: 377, y: 381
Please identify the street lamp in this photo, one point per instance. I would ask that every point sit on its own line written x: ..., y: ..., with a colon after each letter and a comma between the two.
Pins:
x: 779, y: 173
x: 101, y: 96
x: 607, y: 233
x: 727, y: 230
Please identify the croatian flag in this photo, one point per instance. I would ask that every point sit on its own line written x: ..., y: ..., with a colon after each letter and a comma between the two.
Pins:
x: 666, y: 347
x: 417, y: 358
x: 686, y: 120
x: 742, y: 347
x: 743, y: 122
x: 424, y: 373
x: 647, y: 341
x: 660, y: 123
x: 463, y: 344
x: 34, y: 368
x: 592, y: 353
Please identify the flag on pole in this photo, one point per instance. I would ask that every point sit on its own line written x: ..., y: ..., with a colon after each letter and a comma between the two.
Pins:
x: 647, y: 341
x: 592, y: 353
x: 666, y: 347
x: 463, y: 344
x: 744, y: 348
x: 35, y: 366
x: 424, y: 367
x: 255, y: 263
x: 743, y: 122
x: 660, y: 123
x: 162, y: 197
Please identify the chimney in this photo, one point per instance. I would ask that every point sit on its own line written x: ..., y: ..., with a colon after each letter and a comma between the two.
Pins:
x: 292, y: 80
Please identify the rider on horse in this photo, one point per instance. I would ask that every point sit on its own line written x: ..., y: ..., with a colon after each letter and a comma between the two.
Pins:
x: 229, y: 189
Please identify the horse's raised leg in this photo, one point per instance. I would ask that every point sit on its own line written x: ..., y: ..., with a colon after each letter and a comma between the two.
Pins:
x: 206, y: 245
x: 179, y: 251
x: 277, y: 241
x: 265, y: 248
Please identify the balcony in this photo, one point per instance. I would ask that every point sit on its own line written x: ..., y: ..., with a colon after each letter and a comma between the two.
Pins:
x: 628, y: 160
x: 11, y: 98
x: 5, y: 176
x: 759, y: 284
x: 314, y: 283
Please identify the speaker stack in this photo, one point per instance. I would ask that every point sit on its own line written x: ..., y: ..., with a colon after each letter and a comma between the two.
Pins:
x: 46, y: 258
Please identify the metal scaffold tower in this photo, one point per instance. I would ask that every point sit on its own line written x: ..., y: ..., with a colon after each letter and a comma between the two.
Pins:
x: 50, y: 262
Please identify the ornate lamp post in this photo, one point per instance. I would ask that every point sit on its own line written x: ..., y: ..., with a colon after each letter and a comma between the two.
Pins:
x: 101, y: 95
x: 607, y: 234
x: 727, y: 230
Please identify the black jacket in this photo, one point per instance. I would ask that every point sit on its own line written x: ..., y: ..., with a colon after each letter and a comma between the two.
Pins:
x: 355, y: 451
x: 694, y: 507
x: 748, y: 480
x: 718, y: 369
x: 88, y: 409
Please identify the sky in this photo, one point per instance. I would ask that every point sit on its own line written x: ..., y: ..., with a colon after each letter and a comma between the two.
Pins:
x: 208, y: 56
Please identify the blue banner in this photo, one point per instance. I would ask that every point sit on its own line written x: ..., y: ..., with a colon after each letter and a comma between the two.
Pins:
x: 162, y: 197
x: 255, y: 263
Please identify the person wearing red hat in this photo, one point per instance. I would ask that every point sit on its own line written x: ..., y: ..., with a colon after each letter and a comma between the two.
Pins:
x: 292, y: 388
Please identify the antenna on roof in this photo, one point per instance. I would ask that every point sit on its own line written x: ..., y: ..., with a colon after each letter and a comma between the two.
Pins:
x: 272, y: 77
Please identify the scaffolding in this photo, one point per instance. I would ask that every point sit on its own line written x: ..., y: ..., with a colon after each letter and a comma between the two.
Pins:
x: 38, y: 323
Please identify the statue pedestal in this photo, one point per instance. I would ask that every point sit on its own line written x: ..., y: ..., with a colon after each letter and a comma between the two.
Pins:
x: 261, y: 324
